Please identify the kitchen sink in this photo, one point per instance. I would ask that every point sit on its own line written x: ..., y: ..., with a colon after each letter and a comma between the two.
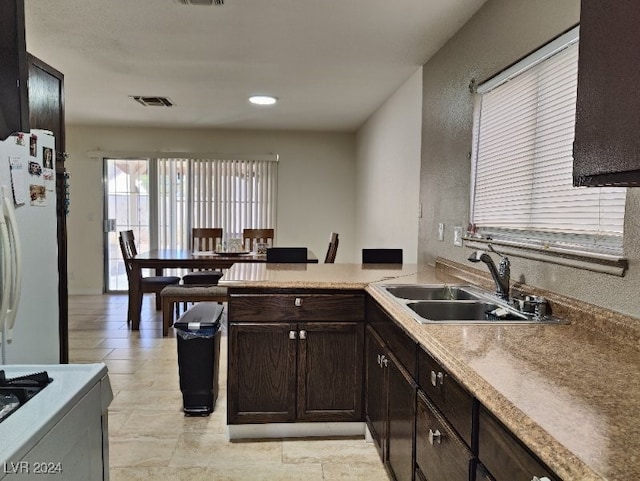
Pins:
x: 432, y: 293
x: 459, y: 304
x: 464, y: 312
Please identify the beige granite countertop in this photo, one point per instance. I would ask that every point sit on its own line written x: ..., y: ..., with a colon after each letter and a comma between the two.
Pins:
x: 571, y: 394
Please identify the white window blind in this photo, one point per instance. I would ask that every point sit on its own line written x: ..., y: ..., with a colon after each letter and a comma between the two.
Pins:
x: 232, y: 194
x: 522, y: 161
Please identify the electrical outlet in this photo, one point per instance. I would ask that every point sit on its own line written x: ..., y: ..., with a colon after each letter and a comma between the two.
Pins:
x: 457, y: 236
x: 441, y: 232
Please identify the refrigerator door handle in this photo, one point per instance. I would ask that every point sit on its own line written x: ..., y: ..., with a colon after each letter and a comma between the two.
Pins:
x: 16, y: 247
x: 5, y: 251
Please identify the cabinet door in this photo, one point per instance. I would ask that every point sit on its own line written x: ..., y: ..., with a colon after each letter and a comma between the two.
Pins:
x: 440, y: 453
x: 402, y: 402
x: 262, y: 372
x: 506, y: 458
x: 607, y: 145
x: 330, y: 371
x: 14, y: 101
x: 375, y: 392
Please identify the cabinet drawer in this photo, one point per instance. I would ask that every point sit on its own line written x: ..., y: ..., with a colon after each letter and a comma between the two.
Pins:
x: 506, y: 458
x: 447, y: 395
x: 402, y: 346
x: 440, y: 453
x: 296, y: 307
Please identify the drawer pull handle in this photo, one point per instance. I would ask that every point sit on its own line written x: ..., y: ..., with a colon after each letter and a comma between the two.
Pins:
x: 380, y: 360
x: 434, y: 436
x: 303, y: 334
x: 437, y: 378
x: 292, y: 335
x: 298, y: 301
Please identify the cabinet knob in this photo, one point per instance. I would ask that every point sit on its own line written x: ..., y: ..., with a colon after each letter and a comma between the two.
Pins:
x: 292, y: 334
x: 380, y: 360
x: 437, y: 378
x: 543, y: 478
x: 385, y: 361
x: 298, y: 301
x: 303, y: 334
x: 434, y: 436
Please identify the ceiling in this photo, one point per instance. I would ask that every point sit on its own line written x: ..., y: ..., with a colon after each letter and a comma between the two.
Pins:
x: 331, y: 63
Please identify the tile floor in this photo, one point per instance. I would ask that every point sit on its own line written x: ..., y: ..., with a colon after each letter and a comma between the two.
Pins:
x: 150, y: 438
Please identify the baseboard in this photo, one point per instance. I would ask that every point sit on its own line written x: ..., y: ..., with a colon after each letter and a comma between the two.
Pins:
x: 295, y: 430
x: 85, y: 292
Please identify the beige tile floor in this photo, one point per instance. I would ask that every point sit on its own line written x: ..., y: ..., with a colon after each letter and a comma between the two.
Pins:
x: 150, y: 438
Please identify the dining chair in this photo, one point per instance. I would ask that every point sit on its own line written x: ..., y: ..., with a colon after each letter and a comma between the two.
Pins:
x: 287, y: 254
x: 382, y: 256
x: 332, y: 250
x: 204, y: 239
x: 251, y: 237
x: 150, y: 284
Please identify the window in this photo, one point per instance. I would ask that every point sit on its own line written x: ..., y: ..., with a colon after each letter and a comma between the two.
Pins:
x: 522, y: 193
x: 232, y: 194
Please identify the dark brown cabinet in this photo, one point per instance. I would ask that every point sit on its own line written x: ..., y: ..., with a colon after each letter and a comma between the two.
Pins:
x: 295, y: 371
x: 446, y: 393
x: 504, y: 456
x: 14, y: 103
x: 607, y: 145
x: 262, y: 373
x: 390, y: 395
x: 440, y: 453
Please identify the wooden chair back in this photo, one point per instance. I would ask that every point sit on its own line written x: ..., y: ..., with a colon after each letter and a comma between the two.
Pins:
x: 128, y: 248
x: 382, y: 256
x: 250, y: 237
x: 287, y: 254
x: 206, y: 238
x: 332, y: 250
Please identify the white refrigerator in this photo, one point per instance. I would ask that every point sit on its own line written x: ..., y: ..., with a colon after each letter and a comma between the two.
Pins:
x: 28, y: 251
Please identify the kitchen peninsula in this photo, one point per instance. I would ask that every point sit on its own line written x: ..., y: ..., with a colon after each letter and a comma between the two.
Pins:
x: 566, y: 392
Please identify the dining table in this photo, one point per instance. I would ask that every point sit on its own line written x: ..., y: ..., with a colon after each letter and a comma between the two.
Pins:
x: 160, y: 259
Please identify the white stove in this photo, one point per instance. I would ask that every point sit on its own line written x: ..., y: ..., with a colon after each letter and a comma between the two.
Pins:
x: 61, y: 431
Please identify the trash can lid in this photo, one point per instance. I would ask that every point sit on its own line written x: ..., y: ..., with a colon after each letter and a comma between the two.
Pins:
x: 202, y: 315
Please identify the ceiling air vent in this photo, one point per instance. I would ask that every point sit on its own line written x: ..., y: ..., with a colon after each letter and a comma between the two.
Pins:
x: 153, y: 101
x: 200, y: 2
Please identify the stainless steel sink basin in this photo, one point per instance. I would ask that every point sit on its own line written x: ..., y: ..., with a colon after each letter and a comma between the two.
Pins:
x: 432, y: 293
x: 458, y: 304
x: 463, y: 312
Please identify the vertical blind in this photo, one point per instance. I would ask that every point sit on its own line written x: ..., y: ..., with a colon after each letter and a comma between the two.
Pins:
x: 522, y: 163
x: 232, y: 194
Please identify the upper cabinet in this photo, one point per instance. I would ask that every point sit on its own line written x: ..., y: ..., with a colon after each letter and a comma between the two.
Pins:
x: 606, y: 150
x: 14, y: 102
x: 46, y: 101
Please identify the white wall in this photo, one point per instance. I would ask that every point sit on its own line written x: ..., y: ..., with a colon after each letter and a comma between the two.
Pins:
x: 388, y: 173
x: 316, y: 179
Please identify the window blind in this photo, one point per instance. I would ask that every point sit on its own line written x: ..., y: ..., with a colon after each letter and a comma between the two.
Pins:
x: 196, y: 192
x: 522, y: 163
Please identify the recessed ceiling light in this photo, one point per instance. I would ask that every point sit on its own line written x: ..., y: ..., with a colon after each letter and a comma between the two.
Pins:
x: 262, y: 99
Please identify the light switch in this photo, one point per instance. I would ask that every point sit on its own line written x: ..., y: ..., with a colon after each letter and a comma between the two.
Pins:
x: 441, y: 232
x: 457, y: 236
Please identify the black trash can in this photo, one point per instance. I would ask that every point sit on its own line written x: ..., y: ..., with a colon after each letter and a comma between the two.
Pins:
x: 198, y: 335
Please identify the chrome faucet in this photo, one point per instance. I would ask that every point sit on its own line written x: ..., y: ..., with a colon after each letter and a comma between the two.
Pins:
x: 500, y: 275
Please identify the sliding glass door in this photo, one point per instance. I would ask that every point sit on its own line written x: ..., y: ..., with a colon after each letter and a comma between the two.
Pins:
x: 126, y: 208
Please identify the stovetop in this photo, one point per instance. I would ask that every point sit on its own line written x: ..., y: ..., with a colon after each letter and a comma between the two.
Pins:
x: 16, y: 391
